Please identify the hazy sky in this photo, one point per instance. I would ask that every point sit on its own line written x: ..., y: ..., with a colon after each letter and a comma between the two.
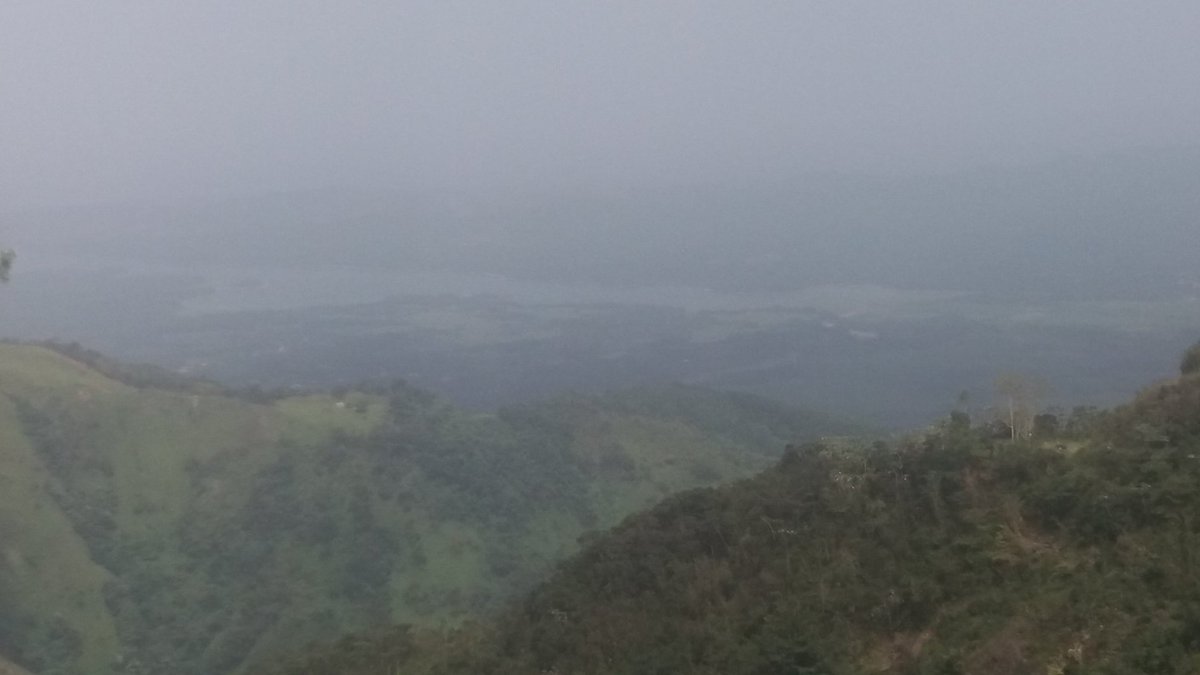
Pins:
x: 157, y: 99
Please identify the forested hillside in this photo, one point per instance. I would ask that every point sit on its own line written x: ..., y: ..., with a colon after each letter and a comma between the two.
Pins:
x: 953, y: 552
x: 152, y: 525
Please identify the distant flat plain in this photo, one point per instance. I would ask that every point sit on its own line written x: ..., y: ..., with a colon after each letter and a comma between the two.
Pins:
x: 889, y: 356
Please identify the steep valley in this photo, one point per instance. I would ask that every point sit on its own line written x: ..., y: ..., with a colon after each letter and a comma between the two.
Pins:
x: 955, y: 551
x: 152, y: 524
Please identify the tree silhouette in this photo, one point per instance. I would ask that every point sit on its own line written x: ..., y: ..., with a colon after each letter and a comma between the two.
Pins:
x: 6, y: 261
x: 1191, y: 360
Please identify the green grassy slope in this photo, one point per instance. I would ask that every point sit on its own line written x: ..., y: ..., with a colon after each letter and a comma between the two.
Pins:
x: 179, y: 530
x: 953, y: 552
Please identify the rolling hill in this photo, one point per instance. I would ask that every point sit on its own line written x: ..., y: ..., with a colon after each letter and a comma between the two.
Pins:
x: 953, y: 552
x: 149, y: 524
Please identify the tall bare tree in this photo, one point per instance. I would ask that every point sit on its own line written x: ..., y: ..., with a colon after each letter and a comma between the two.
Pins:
x: 1018, y: 397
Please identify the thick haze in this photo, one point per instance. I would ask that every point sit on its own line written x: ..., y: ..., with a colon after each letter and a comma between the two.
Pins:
x: 161, y: 100
x: 863, y: 207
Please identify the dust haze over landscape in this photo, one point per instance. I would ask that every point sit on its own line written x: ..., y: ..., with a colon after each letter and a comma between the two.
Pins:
x: 505, y: 201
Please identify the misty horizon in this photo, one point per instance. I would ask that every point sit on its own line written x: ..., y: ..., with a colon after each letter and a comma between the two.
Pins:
x: 694, y: 181
x: 172, y: 102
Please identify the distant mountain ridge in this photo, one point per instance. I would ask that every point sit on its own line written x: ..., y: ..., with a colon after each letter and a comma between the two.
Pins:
x: 152, y: 525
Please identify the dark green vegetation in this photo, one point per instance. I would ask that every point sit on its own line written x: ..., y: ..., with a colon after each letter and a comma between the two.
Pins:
x: 153, y: 525
x: 952, y: 552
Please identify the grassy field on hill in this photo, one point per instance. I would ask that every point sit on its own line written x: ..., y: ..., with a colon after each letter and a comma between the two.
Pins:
x: 177, y: 529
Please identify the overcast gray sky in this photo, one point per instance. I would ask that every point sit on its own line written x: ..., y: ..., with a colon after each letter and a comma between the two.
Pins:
x: 160, y: 99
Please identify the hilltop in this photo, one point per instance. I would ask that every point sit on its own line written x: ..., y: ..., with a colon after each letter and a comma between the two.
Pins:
x: 951, y: 552
x: 150, y: 524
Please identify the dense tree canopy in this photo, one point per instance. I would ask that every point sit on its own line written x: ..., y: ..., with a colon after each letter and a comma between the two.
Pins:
x: 193, y: 532
x: 951, y: 552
